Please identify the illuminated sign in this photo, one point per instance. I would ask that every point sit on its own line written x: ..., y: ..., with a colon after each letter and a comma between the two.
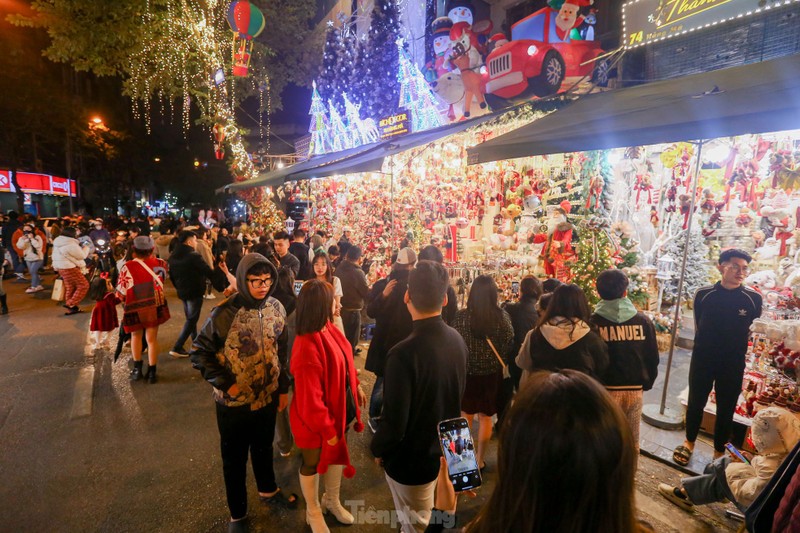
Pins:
x: 394, y: 125
x: 649, y: 21
x: 32, y: 183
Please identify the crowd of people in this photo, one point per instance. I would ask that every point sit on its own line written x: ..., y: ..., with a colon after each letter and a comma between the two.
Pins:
x: 560, y: 383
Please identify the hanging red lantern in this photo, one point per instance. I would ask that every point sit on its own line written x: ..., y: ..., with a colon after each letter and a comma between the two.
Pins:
x: 247, y: 22
x: 219, y: 137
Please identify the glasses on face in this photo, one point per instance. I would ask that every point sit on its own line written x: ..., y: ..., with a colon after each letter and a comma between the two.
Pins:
x: 259, y: 282
x: 739, y: 269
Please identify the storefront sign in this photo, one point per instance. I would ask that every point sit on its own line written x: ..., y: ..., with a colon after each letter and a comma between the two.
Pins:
x: 32, y: 183
x: 394, y: 125
x: 648, y: 21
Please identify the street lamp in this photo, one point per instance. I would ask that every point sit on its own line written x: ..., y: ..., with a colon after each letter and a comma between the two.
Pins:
x: 97, y: 120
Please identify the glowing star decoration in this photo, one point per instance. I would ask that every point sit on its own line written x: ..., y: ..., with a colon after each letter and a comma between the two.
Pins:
x: 416, y: 95
x: 361, y: 131
x: 338, y: 139
x: 319, y: 124
x: 247, y: 22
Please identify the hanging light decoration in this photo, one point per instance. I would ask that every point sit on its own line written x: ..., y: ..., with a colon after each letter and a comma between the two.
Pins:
x: 247, y: 22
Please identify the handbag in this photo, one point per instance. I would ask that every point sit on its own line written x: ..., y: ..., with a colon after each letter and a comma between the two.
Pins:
x: 505, y: 393
x: 350, y: 402
x: 506, y: 373
x: 58, y: 290
x: 158, y: 285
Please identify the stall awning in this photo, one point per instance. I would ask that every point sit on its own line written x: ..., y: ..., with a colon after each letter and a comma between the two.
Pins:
x: 367, y: 158
x: 278, y: 176
x: 756, y: 98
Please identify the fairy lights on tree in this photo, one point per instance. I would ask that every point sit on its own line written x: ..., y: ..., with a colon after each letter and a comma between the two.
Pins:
x: 319, y: 124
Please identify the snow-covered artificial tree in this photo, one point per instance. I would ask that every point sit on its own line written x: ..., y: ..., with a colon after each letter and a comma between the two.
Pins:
x: 416, y: 95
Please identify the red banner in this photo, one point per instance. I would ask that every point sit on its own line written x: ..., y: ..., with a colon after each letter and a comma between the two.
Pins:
x: 33, y: 183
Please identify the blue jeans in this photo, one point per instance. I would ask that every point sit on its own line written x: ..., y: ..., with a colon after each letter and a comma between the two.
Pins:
x: 191, y: 308
x: 376, y: 399
x: 33, y: 268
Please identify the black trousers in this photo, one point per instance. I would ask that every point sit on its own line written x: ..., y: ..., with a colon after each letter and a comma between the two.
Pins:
x: 725, y: 377
x: 242, y: 431
x: 351, y: 320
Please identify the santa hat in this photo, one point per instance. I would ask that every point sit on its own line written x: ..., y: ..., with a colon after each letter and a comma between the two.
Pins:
x: 441, y: 26
x: 458, y: 29
x: 566, y: 206
x: 500, y: 39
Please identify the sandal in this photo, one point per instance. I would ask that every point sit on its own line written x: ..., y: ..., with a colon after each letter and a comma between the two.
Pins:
x: 288, y: 502
x: 675, y: 495
x: 682, y: 455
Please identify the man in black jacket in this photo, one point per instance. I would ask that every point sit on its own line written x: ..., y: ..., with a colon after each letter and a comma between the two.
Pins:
x: 523, y: 318
x: 299, y: 249
x: 392, y: 324
x: 188, y: 272
x: 354, y: 290
x: 632, y: 347
x: 432, y: 253
x: 425, y: 379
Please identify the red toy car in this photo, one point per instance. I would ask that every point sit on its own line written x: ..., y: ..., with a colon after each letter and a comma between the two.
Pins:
x: 536, y: 62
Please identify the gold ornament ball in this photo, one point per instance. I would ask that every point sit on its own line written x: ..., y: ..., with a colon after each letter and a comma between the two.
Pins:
x: 590, y: 268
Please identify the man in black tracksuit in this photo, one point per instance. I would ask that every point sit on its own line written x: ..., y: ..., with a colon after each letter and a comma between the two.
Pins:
x: 424, y: 381
x: 722, y: 315
x: 632, y: 346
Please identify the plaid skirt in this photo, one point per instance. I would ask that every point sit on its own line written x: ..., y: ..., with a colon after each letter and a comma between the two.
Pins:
x: 144, y: 317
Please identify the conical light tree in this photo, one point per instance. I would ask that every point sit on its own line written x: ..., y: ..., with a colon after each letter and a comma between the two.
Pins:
x: 338, y: 136
x: 319, y: 124
x: 415, y: 94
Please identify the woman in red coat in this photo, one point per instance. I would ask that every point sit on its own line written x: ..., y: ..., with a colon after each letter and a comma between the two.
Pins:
x: 327, y: 400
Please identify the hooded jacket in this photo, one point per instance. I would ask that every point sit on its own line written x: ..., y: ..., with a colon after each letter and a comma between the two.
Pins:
x: 68, y: 253
x: 632, y: 347
x: 244, y: 342
x: 775, y: 431
x: 560, y: 344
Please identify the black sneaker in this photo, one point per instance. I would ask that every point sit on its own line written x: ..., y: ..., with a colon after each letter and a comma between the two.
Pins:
x: 179, y: 353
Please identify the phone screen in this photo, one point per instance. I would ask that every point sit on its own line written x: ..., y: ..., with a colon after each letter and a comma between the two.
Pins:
x: 297, y: 286
x: 459, y: 451
x: 515, y: 288
x: 731, y: 448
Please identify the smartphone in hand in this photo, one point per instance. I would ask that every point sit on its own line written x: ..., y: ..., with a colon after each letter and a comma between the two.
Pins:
x: 736, y: 453
x: 458, y: 450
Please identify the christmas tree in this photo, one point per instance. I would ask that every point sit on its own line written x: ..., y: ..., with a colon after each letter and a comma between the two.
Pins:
x: 319, y: 124
x: 415, y: 94
x: 382, y: 91
x: 337, y: 60
x: 338, y: 137
x: 697, y: 265
x: 595, y: 254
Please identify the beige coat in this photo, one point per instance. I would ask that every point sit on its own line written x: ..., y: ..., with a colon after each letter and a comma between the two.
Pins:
x: 775, y: 431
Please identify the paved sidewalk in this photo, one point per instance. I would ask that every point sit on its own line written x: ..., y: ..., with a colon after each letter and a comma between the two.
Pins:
x: 147, y: 459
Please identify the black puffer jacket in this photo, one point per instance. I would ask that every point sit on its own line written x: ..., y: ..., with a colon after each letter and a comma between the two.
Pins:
x: 392, y: 320
x: 188, y: 272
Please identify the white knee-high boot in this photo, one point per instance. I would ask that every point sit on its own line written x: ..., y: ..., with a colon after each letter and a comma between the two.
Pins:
x: 309, y: 485
x: 330, y: 500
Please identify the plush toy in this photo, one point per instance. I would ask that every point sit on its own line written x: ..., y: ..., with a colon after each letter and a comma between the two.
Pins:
x: 686, y: 204
x: 450, y: 89
x: 708, y: 204
x: 643, y: 183
x: 769, y: 250
x: 743, y: 219
x: 762, y: 281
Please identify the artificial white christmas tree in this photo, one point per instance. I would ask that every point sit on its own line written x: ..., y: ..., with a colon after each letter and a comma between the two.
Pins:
x: 338, y: 137
x: 416, y: 95
x: 319, y: 124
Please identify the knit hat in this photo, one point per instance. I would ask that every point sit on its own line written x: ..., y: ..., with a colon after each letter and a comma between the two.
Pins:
x: 441, y: 26
x: 143, y: 243
x: 406, y: 256
x: 775, y: 431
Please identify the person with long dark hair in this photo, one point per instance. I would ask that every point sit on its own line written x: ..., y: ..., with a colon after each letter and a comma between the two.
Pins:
x: 488, y: 333
x: 323, y: 270
x: 564, y: 338
x: 326, y: 403
x: 565, y: 463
